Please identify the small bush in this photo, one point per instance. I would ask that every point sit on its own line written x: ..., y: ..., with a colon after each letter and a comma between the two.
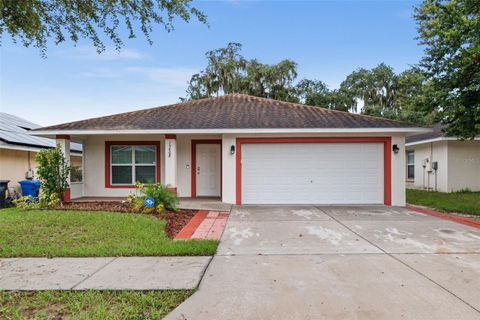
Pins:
x: 30, y: 203
x: 160, y: 194
x: 164, y: 199
x: 27, y: 203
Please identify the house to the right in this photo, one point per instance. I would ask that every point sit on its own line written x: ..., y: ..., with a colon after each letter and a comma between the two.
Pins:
x: 440, y: 163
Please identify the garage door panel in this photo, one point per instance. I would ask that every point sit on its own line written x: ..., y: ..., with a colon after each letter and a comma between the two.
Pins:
x: 315, y: 173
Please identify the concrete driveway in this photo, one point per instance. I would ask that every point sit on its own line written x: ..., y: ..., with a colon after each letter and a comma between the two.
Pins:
x: 339, y: 263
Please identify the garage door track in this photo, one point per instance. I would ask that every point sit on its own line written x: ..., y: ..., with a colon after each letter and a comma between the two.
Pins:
x: 339, y: 263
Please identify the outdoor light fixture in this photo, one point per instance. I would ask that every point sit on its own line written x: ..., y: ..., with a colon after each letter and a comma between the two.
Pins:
x: 395, y: 148
x: 232, y: 149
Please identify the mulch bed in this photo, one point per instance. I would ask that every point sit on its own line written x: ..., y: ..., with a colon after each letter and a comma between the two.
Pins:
x: 175, y: 220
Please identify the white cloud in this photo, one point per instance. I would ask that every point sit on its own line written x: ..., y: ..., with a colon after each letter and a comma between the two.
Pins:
x: 175, y: 76
x: 89, y: 53
x: 168, y: 76
x: 101, y: 73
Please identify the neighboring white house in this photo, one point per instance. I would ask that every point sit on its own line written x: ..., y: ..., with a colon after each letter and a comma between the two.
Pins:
x: 244, y: 150
x: 18, y: 149
x: 457, y: 162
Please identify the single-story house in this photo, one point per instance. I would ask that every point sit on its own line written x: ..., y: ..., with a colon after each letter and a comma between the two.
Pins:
x: 244, y: 150
x: 18, y: 149
x: 441, y: 163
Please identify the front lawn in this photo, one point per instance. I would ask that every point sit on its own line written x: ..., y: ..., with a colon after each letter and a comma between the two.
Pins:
x: 50, y: 233
x: 461, y: 202
x: 90, y: 304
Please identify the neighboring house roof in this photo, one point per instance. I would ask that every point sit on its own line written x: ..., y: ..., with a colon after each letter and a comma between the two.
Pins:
x: 234, y: 111
x: 14, y: 131
x: 436, y: 134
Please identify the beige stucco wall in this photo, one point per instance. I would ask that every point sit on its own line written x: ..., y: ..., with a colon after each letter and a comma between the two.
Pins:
x: 94, y: 166
x: 94, y: 151
x: 425, y: 178
x: 458, y: 165
x: 15, y: 164
x: 463, y: 165
x: 398, y: 172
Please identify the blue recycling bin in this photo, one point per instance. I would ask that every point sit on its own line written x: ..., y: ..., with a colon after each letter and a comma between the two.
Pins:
x: 30, y: 187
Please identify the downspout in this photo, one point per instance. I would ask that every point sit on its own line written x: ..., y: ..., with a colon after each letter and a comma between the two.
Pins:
x: 431, y: 161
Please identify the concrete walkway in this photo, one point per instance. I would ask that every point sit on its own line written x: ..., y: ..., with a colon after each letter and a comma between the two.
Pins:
x: 211, y: 204
x: 137, y: 273
x: 339, y: 263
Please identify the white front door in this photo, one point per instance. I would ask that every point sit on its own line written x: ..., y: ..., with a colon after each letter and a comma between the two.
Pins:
x: 208, y: 170
x: 313, y: 173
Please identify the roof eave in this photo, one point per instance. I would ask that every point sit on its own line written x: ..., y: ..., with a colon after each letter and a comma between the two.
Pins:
x: 30, y: 147
x: 406, y: 130
x: 415, y: 143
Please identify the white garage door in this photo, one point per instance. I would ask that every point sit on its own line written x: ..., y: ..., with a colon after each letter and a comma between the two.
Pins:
x: 312, y: 173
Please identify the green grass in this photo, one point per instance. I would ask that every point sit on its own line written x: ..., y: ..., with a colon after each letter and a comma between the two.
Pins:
x: 90, y: 304
x: 461, y: 202
x: 42, y: 233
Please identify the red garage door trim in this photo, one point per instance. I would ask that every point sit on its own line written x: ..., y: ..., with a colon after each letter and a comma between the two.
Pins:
x: 387, y: 157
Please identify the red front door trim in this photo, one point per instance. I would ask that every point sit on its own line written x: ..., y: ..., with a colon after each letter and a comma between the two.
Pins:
x: 194, y: 163
x: 387, y: 157
x: 108, y: 144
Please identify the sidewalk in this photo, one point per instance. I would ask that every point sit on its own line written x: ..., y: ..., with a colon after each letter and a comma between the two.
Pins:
x: 121, y: 273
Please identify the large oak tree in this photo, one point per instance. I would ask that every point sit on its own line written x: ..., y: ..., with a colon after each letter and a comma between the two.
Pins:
x: 34, y: 22
x: 450, y: 31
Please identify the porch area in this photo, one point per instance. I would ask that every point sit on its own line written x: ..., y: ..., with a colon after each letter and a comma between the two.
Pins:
x: 190, y: 165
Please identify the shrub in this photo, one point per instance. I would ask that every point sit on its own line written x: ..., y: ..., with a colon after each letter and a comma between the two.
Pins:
x: 27, y: 203
x: 164, y: 199
x: 160, y: 194
x: 53, y: 171
x: 30, y: 203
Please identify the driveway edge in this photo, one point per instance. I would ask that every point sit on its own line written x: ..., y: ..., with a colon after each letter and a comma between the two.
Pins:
x: 446, y: 216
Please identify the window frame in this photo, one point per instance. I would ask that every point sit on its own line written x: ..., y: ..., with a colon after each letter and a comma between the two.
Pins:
x: 410, y: 164
x: 133, y: 144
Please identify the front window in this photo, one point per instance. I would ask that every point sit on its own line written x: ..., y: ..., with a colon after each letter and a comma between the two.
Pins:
x: 130, y: 164
x: 410, y: 165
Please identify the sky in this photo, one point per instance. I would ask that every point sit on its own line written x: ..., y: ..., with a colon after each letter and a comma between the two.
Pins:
x: 328, y: 40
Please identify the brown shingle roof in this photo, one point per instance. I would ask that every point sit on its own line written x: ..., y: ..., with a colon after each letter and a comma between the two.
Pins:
x: 234, y: 111
x: 437, y: 132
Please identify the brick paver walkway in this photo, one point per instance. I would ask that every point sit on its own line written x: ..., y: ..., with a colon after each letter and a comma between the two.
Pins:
x: 205, y: 225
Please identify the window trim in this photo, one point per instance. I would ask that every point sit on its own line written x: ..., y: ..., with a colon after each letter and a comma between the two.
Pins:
x: 108, y: 164
x: 412, y: 164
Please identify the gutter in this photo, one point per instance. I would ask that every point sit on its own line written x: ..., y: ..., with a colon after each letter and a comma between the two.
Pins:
x: 50, y: 133
x: 437, y: 140
x: 29, y: 147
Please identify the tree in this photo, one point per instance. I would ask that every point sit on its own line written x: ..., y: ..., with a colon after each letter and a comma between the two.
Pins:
x: 414, y: 97
x: 228, y: 72
x: 375, y: 87
x: 313, y: 92
x: 383, y: 92
x: 316, y: 93
x: 33, y: 22
x: 405, y: 96
x: 450, y: 31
